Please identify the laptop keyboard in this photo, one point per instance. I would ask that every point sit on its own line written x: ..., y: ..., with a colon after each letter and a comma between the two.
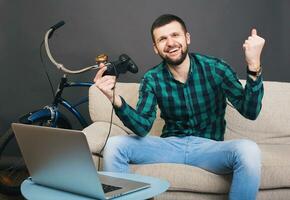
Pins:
x: 109, y: 188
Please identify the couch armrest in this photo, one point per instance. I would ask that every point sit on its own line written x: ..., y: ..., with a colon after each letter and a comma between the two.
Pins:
x: 97, y: 132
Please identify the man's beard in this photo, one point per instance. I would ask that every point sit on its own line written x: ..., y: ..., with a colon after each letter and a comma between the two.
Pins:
x: 177, y: 62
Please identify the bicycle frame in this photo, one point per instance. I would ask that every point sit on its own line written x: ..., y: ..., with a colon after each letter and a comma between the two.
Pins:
x: 52, y: 111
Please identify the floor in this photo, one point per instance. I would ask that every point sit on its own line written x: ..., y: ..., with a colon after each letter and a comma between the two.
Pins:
x: 3, y: 165
x: 4, y: 197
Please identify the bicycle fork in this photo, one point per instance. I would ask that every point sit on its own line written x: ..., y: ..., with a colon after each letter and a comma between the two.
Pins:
x: 48, y: 112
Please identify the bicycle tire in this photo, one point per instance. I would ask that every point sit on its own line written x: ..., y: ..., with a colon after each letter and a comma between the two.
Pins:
x: 11, y: 177
x: 4, y: 139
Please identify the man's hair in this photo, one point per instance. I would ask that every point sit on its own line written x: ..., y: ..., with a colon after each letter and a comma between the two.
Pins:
x: 166, y: 19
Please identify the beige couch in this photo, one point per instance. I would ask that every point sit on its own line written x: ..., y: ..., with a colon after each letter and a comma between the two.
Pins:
x: 271, y: 131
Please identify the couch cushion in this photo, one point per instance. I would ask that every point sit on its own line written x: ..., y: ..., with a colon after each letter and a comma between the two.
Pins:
x: 275, y: 173
x: 185, y: 177
x: 272, y: 124
x: 275, y: 166
x: 277, y: 194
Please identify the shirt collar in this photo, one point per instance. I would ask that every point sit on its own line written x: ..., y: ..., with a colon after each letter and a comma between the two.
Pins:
x: 169, y: 74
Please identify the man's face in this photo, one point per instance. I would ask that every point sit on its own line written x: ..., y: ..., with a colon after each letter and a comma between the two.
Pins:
x: 171, y: 43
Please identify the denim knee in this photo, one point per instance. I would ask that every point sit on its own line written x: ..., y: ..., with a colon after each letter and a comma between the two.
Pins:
x: 115, y: 144
x: 248, y: 154
x: 115, y: 155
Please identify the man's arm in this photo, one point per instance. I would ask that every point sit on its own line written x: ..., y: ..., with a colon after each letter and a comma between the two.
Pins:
x: 140, y: 120
x: 247, y: 101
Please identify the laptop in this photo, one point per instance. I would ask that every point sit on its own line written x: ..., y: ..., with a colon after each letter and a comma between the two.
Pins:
x: 61, y: 159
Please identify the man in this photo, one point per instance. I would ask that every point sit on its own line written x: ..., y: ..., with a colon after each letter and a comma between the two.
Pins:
x: 191, y: 92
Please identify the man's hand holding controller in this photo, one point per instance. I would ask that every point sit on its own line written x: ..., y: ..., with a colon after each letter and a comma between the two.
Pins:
x: 106, y: 84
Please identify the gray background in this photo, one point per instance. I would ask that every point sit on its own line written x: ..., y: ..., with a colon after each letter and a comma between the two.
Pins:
x: 218, y: 28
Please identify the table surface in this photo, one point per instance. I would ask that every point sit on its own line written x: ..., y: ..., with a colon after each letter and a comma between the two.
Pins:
x: 33, y: 191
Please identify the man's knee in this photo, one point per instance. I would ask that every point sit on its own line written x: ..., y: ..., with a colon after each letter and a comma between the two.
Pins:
x: 115, y: 155
x: 115, y: 144
x: 248, y: 153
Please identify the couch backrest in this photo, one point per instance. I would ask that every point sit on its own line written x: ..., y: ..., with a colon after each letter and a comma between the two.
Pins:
x: 100, y: 107
x: 271, y: 126
x: 273, y: 122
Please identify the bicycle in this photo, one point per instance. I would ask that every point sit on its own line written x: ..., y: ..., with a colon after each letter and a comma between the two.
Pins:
x: 50, y: 115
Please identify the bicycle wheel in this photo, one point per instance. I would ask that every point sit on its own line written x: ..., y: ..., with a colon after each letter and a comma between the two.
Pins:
x: 16, y: 172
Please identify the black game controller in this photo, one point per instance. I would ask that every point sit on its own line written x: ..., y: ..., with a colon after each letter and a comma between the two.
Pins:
x: 121, y: 66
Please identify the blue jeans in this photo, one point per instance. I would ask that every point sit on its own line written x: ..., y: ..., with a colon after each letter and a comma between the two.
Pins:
x: 240, y: 157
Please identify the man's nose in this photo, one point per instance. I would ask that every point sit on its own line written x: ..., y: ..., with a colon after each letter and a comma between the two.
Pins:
x: 169, y: 41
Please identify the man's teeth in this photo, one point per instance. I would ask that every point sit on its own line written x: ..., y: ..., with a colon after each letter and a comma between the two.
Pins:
x: 172, y: 50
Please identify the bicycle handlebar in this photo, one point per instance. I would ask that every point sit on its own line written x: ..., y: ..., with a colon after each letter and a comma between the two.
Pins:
x: 59, y: 65
x: 121, y: 66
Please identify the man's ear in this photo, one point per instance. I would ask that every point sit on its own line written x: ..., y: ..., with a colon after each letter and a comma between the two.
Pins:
x: 187, y: 35
x: 155, y: 48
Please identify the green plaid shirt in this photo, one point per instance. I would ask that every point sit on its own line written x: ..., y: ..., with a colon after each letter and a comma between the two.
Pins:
x: 196, y: 107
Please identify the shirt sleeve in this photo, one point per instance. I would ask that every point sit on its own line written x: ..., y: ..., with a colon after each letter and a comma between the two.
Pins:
x: 248, y: 100
x: 139, y: 120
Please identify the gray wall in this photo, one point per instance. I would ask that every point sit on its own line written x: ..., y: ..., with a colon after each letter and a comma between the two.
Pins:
x: 217, y: 28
